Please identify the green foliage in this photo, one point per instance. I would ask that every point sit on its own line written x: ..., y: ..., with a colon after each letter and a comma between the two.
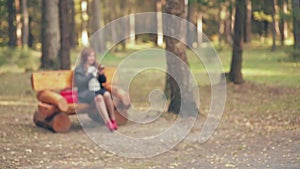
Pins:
x: 3, y: 23
x: 3, y: 9
x: 287, y: 16
x: 262, y: 16
x: 21, y: 58
x: 294, y: 55
x: 34, y: 8
x: 296, y: 13
x: 201, y: 2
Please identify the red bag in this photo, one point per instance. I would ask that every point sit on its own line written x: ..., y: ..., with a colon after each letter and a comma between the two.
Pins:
x: 70, y: 95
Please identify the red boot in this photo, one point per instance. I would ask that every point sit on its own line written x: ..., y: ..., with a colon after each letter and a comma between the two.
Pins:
x: 110, y: 126
x: 114, y: 123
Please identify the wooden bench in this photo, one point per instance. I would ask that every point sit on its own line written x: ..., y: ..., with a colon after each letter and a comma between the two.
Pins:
x: 53, y: 110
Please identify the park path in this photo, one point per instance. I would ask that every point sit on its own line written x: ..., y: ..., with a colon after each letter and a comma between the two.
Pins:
x: 262, y: 131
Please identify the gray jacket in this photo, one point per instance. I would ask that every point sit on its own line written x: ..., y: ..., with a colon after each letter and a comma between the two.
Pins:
x: 81, y: 80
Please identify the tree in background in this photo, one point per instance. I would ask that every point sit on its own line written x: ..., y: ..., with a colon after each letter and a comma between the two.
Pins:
x: 25, y: 24
x: 195, y: 15
x: 235, y: 74
x: 283, y: 26
x: 73, y: 36
x: 95, y: 19
x: 11, y: 25
x: 18, y: 22
x: 50, y: 34
x: 296, y: 23
x: 159, y: 23
x: 177, y: 51
x: 248, y: 22
x: 274, y: 23
x: 65, y: 33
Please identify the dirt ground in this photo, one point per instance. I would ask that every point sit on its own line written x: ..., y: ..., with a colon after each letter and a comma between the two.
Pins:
x: 260, y: 128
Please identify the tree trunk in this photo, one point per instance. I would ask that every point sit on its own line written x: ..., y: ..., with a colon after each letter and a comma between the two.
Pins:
x: 73, y: 36
x: 11, y: 25
x: 113, y: 16
x: 199, y: 28
x: 50, y: 34
x: 228, y: 29
x: 65, y: 45
x: 232, y: 13
x: 222, y: 17
x: 282, y: 23
x: 189, y: 32
x: 235, y: 74
x: 248, y: 24
x: 25, y: 33
x: 179, y: 85
x: 95, y: 25
x: 125, y: 25
x: 60, y: 122
x: 30, y: 35
x: 159, y: 22
x: 273, y: 3
x: 84, y: 23
x: 296, y: 23
x: 18, y: 22
x: 46, y: 111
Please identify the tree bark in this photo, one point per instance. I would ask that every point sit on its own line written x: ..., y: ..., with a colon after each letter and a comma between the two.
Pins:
x: 159, y: 41
x: 180, y: 89
x: 273, y: 4
x: 84, y: 23
x: 232, y: 15
x: 189, y: 32
x: 131, y: 22
x: 95, y: 25
x: 65, y: 42
x: 30, y: 35
x: 11, y: 25
x: 18, y: 23
x: 235, y: 74
x: 199, y: 28
x: 73, y: 36
x: 125, y: 25
x: 228, y: 28
x: 248, y: 24
x: 46, y: 111
x: 283, y: 23
x: 114, y: 31
x: 50, y: 34
x: 296, y: 23
x: 60, y: 122
x: 25, y: 33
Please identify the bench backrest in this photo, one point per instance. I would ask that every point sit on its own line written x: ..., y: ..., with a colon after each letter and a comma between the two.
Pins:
x: 60, y: 79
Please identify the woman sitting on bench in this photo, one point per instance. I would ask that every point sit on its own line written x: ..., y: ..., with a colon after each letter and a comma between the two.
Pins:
x: 89, y: 77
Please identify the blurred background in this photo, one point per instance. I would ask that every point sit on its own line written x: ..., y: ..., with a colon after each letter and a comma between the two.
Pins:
x: 38, y: 34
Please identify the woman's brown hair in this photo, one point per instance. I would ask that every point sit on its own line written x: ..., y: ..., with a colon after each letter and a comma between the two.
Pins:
x: 85, y: 53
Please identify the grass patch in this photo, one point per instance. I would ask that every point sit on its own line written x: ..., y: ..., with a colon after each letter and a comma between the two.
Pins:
x: 260, y: 65
x: 18, y: 60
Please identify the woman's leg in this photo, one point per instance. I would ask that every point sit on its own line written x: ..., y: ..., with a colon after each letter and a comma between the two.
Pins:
x: 109, y: 104
x: 101, y: 107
